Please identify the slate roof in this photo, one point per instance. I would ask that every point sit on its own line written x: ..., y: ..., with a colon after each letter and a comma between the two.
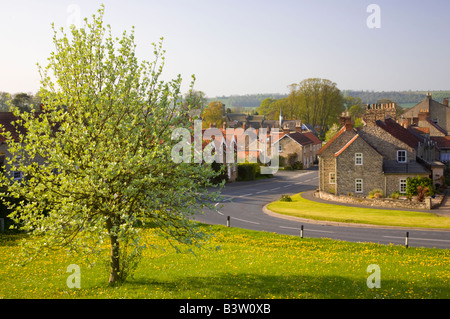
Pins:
x: 394, y: 167
x: 399, y: 132
x: 300, y: 138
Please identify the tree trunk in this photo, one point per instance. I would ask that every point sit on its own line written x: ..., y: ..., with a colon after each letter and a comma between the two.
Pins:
x: 114, y: 275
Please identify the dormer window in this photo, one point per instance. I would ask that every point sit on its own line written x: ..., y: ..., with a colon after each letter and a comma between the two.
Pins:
x: 401, y: 156
x: 358, y: 159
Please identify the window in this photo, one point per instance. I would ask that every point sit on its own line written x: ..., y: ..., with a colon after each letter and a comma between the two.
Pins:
x: 401, y: 156
x: 280, y: 148
x: 17, y: 175
x: 358, y: 185
x: 402, y: 188
x: 358, y: 158
x: 332, y: 178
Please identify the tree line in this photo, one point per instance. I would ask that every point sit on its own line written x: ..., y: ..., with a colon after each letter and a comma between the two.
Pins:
x: 23, y: 101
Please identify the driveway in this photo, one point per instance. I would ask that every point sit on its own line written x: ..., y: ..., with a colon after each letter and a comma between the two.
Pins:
x: 243, y: 203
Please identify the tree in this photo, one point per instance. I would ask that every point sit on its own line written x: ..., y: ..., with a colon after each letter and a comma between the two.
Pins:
x: 213, y: 114
x: 331, y: 132
x: 104, y: 140
x: 4, y: 98
x: 320, y: 102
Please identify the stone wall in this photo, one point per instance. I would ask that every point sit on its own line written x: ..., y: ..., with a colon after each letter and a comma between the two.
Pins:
x: 427, y: 204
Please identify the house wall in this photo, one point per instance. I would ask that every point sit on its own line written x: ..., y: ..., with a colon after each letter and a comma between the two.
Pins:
x: 371, y: 170
x: 392, y: 182
x: 327, y: 165
x: 304, y: 154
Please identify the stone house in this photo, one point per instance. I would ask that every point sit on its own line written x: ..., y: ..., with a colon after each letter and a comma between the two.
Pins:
x: 429, y: 113
x: 380, y: 155
x: 298, y: 147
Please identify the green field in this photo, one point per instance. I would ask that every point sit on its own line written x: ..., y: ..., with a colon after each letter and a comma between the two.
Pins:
x: 248, y: 264
x: 303, y: 208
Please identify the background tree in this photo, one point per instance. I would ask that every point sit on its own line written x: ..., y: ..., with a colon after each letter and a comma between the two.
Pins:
x: 106, y: 156
x: 320, y: 103
x: 213, y: 114
x: 4, y: 98
x: 194, y: 103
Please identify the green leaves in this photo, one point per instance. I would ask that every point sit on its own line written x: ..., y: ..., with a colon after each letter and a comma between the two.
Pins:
x: 103, y: 145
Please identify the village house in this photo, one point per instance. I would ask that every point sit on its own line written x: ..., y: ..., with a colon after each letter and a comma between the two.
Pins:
x: 430, y: 115
x: 298, y: 146
x: 380, y: 155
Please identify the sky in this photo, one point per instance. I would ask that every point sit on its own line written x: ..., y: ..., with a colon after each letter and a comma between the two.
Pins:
x: 250, y: 46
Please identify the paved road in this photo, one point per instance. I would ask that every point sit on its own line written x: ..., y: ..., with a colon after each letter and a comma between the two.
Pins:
x: 244, y: 202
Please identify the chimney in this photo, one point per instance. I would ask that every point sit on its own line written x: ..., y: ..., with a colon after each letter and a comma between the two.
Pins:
x: 445, y: 102
x: 298, y: 126
x: 348, y: 126
x: 224, y: 125
x: 243, y: 126
x: 345, y: 119
x: 286, y: 130
x: 423, y: 115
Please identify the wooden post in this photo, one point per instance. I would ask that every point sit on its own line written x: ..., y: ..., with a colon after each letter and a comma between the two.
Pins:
x: 2, y: 225
x: 301, y: 231
x: 228, y: 221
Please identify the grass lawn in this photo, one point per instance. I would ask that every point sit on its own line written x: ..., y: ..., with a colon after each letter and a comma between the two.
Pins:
x: 304, y: 208
x: 249, y: 264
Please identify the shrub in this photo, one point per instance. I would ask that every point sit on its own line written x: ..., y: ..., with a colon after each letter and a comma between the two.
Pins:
x: 248, y: 171
x: 297, y: 165
x: 288, y: 168
x: 421, y: 193
x: 395, y: 195
x: 376, y: 193
x: 286, y: 198
x: 412, y: 185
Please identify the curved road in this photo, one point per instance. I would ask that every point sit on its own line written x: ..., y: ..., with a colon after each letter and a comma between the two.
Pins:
x: 244, y: 202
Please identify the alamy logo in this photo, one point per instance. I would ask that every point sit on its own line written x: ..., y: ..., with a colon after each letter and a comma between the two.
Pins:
x: 74, y: 280
x: 237, y: 146
x: 374, y: 20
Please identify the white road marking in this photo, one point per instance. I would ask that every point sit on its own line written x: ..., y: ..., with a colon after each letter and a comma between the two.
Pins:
x: 412, y: 238
x: 296, y: 228
x: 246, y: 221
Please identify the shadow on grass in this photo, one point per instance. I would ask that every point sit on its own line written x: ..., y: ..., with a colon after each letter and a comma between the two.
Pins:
x: 251, y: 286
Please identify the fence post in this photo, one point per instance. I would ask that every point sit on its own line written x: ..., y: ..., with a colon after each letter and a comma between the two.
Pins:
x: 301, y: 231
x: 2, y: 225
x: 406, y: 239
x: 228, y: 221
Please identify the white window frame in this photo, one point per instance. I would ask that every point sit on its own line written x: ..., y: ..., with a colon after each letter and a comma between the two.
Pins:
x: 332, y: 180
x: 401, y: 182
x: 358, y: 156
x: 359, y: 181
x: 280, y: 148
x: 398, y: 156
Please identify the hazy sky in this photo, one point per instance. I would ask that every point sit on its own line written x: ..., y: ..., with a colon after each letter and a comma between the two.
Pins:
x: 246, y: 46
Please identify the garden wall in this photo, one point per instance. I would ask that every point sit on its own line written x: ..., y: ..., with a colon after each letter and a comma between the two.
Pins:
x: 427, y: 204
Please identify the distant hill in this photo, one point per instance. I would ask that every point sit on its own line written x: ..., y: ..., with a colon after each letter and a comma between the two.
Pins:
x: 406, y: 99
